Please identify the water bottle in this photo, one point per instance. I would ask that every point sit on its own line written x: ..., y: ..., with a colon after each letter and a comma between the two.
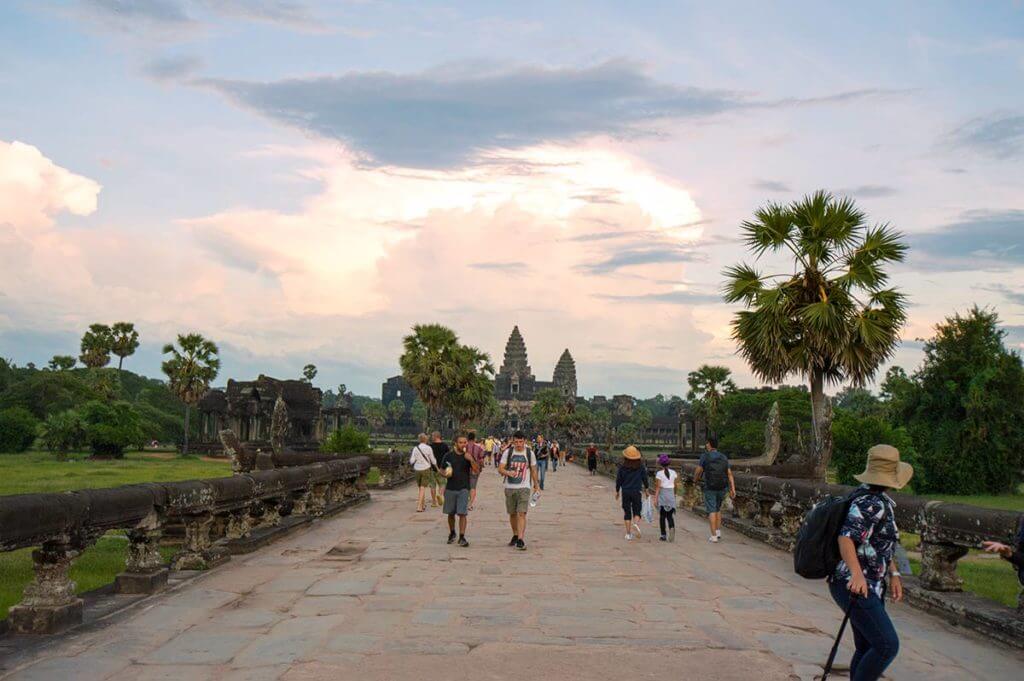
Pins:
x: 534, y: 498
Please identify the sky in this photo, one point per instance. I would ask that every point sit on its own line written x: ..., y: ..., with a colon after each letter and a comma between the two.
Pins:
x: 302, y: 182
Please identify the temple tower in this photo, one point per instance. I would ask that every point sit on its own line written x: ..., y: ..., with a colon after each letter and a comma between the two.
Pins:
x: 565, y: 374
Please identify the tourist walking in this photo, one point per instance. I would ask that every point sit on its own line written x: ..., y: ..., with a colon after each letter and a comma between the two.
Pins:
x: 665, y: 498
x: 518, y: 465
x: 716, y: 473
x: 631, y: 481
x: 592, y: 459
x: 867, y: 544
x: 440, y: 448
x: 554, y: 456
x: 459, y: 465
x: 425, y: 465
x: 543, y: 452
x: 479, y: 455
x: 496, y: 449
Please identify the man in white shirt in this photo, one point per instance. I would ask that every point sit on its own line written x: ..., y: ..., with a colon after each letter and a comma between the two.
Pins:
x: 518, y: 466
x: 423, y: 462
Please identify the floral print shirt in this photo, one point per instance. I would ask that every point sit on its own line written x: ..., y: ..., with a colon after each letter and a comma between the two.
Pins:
x: 871, y: 524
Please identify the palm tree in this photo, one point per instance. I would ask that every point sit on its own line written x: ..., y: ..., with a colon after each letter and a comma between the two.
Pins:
x: 419, y: 414
x: 707, y: 385
x: 190, y: 371
x: 831, y: 318
x: 376, y: 415
x: 124, y: 341
x: 96, y: 343
x: 429, y: 365
x: 309, y: 372
x: 473, y: 389
x: 62, y: 362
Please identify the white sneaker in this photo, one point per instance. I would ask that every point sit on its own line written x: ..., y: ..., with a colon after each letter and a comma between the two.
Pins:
x: 636, y: 531
x: 718, y: 533
x: 629, y: 537
x: 713, y: 539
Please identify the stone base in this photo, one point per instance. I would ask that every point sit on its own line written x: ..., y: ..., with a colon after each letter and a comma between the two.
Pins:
x: 211, y: 558
x: 141, y: 582
x: 24, y: 619
x: 261, y: 536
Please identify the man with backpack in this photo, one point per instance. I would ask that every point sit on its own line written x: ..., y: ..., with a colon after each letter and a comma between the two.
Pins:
x: 714, y: 469
x: 518, y: 465
x: 424, y: 464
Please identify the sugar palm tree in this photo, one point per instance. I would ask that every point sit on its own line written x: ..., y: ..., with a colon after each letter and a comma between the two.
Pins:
x: 190, y: 370
x: 309, y: 372
x: 396, y: 410
x: 376, y: 415
x: 429, y: 364
x: 473, y: 389
x: 124, y: 341
x: 96, y: 343
x: 832, y: 317
x: 707, y: 385
x: 62, y: 363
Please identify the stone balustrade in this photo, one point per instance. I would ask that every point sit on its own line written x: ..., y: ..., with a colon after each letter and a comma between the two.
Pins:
x: 219, y: 516
x: 394, y: 468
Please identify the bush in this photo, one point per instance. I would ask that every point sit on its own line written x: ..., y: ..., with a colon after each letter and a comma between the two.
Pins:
x: 743, y: 414
x: 48, y: 392
x: 17, y: 429
x: 63, y: 432
x: 853, y: 436
x: 110, y: 427
x: 347, y: 440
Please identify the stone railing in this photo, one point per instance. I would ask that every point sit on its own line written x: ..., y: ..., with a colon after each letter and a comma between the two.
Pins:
x: 393, y: 468
x: 217, y: 517
x: 772, y: 509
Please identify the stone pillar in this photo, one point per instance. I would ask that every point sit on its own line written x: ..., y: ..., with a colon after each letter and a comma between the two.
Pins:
x: 745, y: 506
x: 938, y: 566
x: 764, y: 512
x: 300, y: 502
x: 239, y: 524
x: 144, y: 570
x: 792, y: 516
x: 317, y: 502
x: 271, y: 513
x: 198, y: 552
x: 49, y: 603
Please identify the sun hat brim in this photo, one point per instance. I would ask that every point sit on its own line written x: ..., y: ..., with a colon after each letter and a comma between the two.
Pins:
x: 893, y: 480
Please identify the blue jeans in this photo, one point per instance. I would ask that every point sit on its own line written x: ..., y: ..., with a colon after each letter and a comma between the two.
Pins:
x: 554, y: 463
x: 873, y: 634
x: 542, y: 468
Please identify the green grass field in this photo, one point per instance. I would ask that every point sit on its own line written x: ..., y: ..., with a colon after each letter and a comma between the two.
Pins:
x: 41, y: 472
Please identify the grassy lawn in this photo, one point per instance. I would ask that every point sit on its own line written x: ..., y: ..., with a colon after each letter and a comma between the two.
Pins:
x: 992, y: 579
x: 1004, y: 502
x: 41, y: 472
x: 94, y: 568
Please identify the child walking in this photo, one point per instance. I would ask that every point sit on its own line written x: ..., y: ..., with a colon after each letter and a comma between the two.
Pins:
x: 665, y: 498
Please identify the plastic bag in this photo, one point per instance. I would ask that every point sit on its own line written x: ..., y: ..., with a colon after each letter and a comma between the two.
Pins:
x: 647, y: 510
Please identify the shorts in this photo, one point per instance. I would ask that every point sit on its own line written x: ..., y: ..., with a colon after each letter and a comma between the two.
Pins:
x: 473, y: 479
x: 456, y: 502
x: 517, y: 500
x: 632, y: 504
x: 713, y: 499
x: 425, y: 478
x: 439, y: 480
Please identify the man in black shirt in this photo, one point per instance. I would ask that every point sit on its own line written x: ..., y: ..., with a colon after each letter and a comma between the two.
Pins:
x: 438, y: 446
x: 462, y: 465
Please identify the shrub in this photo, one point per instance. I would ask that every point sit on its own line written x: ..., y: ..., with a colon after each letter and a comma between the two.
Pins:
x: 63, y: 432
x: 48, y: 392
x: 742, y: 416
x: 853, y: 436
x: 347, y: 440
x: 17, y: 429
x: 110, y: 427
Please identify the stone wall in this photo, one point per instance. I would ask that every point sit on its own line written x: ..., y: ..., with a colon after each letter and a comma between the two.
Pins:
x: 215, y: 518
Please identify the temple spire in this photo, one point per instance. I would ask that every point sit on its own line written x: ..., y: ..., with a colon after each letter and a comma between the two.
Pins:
x: 515, y: 361
x: 565, y: 374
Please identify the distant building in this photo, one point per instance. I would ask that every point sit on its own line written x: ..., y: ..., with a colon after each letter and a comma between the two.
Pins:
x: 397, y: 388
x: 516, y: 388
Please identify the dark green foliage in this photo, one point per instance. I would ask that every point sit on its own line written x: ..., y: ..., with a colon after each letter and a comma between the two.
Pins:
x: 743, y: 414
x: 853, y: 435
x: 347, y: 440
x: 110, y: 427
x: 859, y: 401
x: 62, y: 432
x: 47, y: 392
x: 965, y: 409
x: 17, y: 429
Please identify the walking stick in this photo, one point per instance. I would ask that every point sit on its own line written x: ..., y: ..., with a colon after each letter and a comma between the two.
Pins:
x: 839, y: 637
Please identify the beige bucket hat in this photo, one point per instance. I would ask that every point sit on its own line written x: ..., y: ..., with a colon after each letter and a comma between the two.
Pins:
x: 631, y: 452
x: 885, y: 468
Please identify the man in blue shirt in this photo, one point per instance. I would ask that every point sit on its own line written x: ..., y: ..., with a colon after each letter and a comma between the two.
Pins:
x: 714, y: 468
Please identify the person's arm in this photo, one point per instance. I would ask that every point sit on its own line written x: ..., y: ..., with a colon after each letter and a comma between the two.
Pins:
x: 618, y: 482
x: 732, y: 484
x: 1006, y: 552
x: 534, y: 479
x: 474, y: 467
x: 697, y: 474
x: 895, y: 581
x: 412, y: 456
x: 502, y: 469
x: 848, y: 550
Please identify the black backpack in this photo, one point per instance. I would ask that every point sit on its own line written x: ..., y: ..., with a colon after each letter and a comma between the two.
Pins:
x: 816, y: 553
x: 716, y: 470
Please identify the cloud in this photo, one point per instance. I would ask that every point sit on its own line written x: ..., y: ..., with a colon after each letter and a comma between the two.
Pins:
x: 869, y: 191
x: 172, y: 68
x: 1015, y: 296
x: 978, y: 240
x: 772, y: 186
x: 642, y: 255
x: 671, y: 297
x: 511, y: 266
x: 446, y: 116
x: 177, y: 18
x: 997, y: 136
x: 34, y: 189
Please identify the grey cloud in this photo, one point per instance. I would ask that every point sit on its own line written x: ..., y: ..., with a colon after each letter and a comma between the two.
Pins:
x: 642, y: 256
x: 955, y: 171
x: 673, y: 297
x: 1015, y: 296
x: 183, y: 16
x: 869, y: 191
x: 175, y: 67
x: 980, y: 239
x: 999, y: 136
x: 772, y: 186
x: 446, y: 116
